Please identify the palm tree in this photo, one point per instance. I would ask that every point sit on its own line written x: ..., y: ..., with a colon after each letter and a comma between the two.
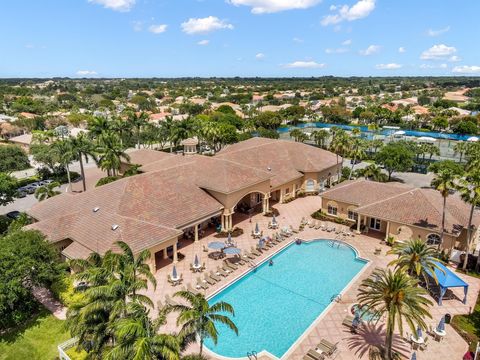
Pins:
x: 373, y: 172
x: 65, y: 157
x: 356, y: 152
x: 469, y: 188
x: 444, y: 182
x: 339, y: 144
x: 111, y: 152
x: 97, y: 126
x: 199, y: 317
x: 138, y: 120
x: 138, y: 337
x: 181, y: 130
x: 47, y: 191
x: 320, y: 136
x: 417, y: 258
x: 296, y: 134
x: 82, y: 148
x: 396, y: 295
x: 460, y: 148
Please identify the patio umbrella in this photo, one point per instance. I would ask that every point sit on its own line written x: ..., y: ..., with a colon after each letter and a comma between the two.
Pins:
x: 414, y: 356
x: 357, y: 319
x: 472, y: 139
x: 419, y: 332
x: 174, y: 272
x: 229, y: 238
x: 196, y: 262
x: 232, y: 251
x: 257, y: 230
x: 274, y: 221
x: 441, y: 325
x: 216, y: 245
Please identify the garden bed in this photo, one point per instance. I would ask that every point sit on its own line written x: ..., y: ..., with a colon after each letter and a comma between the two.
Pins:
x: 234, y: 233
x: 468, y: 326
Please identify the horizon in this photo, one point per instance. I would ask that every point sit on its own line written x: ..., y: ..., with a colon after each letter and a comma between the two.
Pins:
x: 107, y: 39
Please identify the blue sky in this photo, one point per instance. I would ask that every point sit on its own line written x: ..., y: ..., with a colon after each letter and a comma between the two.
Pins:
x: 170, y: 38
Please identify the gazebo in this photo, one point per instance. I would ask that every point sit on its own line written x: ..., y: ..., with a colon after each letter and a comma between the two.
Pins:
x: 448, y: 279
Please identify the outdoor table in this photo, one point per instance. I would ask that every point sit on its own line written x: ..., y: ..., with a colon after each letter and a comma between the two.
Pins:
x: 416, y: 342
x: 175, y: 280
x: 274, y: 226
x: 439, y: 334
x: 197, y: 268
x: 256, y: 235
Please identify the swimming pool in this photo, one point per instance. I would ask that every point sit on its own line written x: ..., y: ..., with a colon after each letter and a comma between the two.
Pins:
x: 274, y: 305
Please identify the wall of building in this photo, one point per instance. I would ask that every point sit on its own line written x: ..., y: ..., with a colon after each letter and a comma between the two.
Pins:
x: 230, y: 200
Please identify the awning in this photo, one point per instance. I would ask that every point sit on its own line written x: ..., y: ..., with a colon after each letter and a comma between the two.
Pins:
x: 448, y: 279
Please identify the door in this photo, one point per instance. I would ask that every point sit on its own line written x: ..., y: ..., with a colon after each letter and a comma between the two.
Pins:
x: 375, y: 224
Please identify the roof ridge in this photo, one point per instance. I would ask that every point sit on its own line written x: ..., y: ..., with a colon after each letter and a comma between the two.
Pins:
x: 387, y: 198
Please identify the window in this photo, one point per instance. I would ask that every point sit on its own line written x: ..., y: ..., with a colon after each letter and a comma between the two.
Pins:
x: 375, y: 223
x: 332, y: 210
x: 433, y: 239
x: 310, y: 185
x: 287, y: 191
x: 352, y: 215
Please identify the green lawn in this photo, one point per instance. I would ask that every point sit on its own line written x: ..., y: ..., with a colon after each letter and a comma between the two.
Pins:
x: 36, y: 340
x: 468, y: 326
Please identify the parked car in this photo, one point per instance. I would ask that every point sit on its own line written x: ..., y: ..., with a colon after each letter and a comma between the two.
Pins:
x: 13, y: 214
x: 21, y: 193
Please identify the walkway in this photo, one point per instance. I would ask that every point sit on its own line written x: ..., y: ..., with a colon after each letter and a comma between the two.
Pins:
x: 46, y: 298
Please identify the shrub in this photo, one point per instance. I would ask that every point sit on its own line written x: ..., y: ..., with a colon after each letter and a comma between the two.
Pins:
x: 107, y: 180
x: 273, y: 211
x: 390, y: 241
x: 234, y: 233
x: 64, y: 291
x: 194, y: 357
x: 13, y: 158
x: 320, y: 215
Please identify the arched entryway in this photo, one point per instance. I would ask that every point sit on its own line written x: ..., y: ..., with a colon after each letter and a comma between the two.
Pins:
x: 254, y: 202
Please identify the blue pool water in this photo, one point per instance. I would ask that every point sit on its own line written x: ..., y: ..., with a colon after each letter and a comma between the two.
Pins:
x: 369, y: 134
x: 275, y: 304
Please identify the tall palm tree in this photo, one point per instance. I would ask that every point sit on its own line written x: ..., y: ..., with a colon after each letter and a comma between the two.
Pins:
x: 111, y: 152
x: 98, y: 125
x: 138, y: 121
x: 181, y: 130
x: 138, y: 337
x: 356, y: 152
x: 396, y: 295
x: 47, y: 191
x: 444, y: 182
x: 320, y: 137
x: 460, y: 148
x: 81, y: 148
x: 417, y: 258
x: 65, y: 156
x: 296, y: 134
x: 469, y: 189
x: 339, y: 144
x: 199, y: 317
x: 373, y: 172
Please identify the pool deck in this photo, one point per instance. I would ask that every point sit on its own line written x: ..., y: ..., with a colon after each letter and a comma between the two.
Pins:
x: 329, y: 324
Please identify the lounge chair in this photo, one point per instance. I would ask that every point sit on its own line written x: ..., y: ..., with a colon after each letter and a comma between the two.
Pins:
x: 240, y: 261
x: 311, y: 224
x: 313, y: 355
x: 348, y: 321
x: 378, y: 251
x: 169, y: 301
x: 192, y: 289
x: 169, y: 279
x: 209, y: 280
x: 327, y: 347
x: 295, y: 231
x: 230, y: 265
x: 221, y: 272
x: 214, y: 276
x: 205, y: 249
x: 201, y: 284
x: 318, y: 226
x: 255, y: 251
x: 424, y: 346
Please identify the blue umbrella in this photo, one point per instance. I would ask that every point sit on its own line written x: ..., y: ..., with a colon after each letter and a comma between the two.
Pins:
x: 232, y: 251
x: 441, y: 325
x: 174, y: 272
x: 414, y: 356
x: 419, y: 332
x: 357, y: 319
x: 274, y: 221
x: 196, y: 262
x: 216, y: 245
x: 257, y: 230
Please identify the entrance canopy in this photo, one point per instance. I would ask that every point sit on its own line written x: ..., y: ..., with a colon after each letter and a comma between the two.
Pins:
x: 448, y: 279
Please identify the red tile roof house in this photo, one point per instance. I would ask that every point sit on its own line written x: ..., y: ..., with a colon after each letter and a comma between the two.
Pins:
x: 176, y: 194
x: 401, y: 211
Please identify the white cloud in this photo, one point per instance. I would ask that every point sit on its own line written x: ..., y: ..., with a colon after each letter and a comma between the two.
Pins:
x: 454, y: 58
x: 86, y: 73
x: 203, y: 42
x: 359, y: 10
x: 465, y: 69
x: 204, y: 25
x: 347, y: 42
x: 391, y: 66
x: 272, y: 6
x: 116, y: 5
x: 137, y: 25
x: 260, y: 56
x: 305, y: 65
x: 158, y: 29
x: 433, y: 66
x: 401, y: 50
x: 438, y: 52
x: 438, y: 32
x: 336, y: 51
x: 297, y: 40
x: 372, y: 49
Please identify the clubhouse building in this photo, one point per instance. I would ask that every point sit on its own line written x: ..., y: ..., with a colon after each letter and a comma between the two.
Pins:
x: 178, y: 196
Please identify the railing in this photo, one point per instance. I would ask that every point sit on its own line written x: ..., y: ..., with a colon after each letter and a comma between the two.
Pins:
x: 252, y: 355
x: 63, y: 347
x: 336, y: 298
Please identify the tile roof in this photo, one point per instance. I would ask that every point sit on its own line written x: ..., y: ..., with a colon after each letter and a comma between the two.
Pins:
x: 364, y: 192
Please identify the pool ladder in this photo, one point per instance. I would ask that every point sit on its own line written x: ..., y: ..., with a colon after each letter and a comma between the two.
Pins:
x: 337, y: 298
x: 252, y: 355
